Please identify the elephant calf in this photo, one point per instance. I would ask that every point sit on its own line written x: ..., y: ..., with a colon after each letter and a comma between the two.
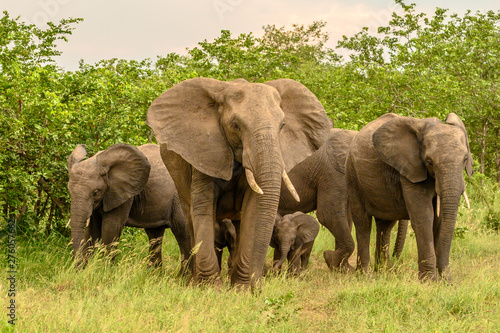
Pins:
x: 123, y: 186
x: 225, y: 236
x: 293, y: 238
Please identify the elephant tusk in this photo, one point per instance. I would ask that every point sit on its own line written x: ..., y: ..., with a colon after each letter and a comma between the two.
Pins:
x: 86, y: 224
x: 466, y: 200
x: 438, y: 205
x: 290, y: 186
x: 251, y: 181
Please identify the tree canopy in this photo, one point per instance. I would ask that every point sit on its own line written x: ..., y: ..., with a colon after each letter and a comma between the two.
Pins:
x: 414, y: 65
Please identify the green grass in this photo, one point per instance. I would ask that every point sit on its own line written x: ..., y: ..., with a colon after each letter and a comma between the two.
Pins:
x: 129, y: 297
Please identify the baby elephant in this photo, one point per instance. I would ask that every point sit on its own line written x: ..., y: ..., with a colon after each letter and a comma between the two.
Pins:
x: 123, y: 186
x: 225, y: 236
x: 293, y: 238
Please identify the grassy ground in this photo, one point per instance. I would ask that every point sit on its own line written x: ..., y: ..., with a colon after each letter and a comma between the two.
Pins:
x: 128, y: 297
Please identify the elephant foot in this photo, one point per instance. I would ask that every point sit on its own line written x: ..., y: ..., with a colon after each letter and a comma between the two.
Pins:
x: 345, y: 267
x: 428, y: 276
x: 335, y: 261
x: 208, y: 281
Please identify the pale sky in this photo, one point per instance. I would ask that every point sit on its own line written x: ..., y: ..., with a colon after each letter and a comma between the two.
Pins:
x: 127, y: 29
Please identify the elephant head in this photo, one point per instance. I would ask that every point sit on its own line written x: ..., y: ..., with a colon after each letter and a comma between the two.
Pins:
x: 266, y: 127
x: 109, y: 178
x: 422, y: 148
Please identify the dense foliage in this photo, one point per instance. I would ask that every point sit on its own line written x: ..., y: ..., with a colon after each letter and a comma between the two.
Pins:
x: 415, y: 65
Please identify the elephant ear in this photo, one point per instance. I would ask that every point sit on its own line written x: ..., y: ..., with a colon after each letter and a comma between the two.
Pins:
x: 76, y: 156
x: 186, y: 119
x: 453, y: 119
x: 337, y: 147
x: 127, y: 171
x: 306, y: 124
x: 397, y: 143
x: 307, y: 229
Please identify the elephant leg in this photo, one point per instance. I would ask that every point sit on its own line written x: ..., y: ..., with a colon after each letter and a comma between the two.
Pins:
x: 202, y: 211
x: 276, y: 256
x: 363, y: 225
x: 332, y: 213
x: 294, y: 262
x: 180, y: 229
x: 218, y: 252
x: 306, y: 254
x: 155, y: 236
x: 384, y: 228
x: 419, y: 204
x: 112, y: 227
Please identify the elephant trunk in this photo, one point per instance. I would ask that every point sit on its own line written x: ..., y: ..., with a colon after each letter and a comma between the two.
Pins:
x: 450, y: 192
x: 263, y: 158
x: 79, y: 214
x: 267, y: 206
x: 400, y: 238
x: 284, y: 248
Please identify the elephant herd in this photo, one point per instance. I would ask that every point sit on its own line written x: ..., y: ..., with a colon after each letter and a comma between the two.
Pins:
x: 239, y: 165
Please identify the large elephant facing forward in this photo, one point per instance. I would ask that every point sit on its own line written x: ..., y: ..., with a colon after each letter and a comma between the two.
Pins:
x: 407, y: 168
x: 227, y: 146
x: 123, y: 186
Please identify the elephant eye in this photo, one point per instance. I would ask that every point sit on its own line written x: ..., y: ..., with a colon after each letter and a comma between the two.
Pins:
x: 96, y: 192
x: 282, y: 125
x: 235, y: 126
x: 466, y: 158
x: 428, y: 161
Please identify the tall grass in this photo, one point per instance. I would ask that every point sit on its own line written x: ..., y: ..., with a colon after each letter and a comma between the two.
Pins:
x: 128, y: 297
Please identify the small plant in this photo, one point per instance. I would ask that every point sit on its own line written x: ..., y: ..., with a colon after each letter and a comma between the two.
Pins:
x: 276, y: 312
x: 492, y: 220
x: 460, y: 232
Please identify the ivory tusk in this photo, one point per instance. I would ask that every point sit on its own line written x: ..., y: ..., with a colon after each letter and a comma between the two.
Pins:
x: 466, y: 199
x: 438, y: 205
x: 251, y: 181
x: 86, y: 224
x: 290, y: 186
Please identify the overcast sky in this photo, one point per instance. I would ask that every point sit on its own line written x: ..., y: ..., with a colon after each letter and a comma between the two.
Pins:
x: 129, y: 29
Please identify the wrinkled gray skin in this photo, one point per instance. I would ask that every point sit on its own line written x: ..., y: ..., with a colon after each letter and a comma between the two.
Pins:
x: 321, y: 185
x: 225, y: 236
x: 293, y: 239
x: 396, y: 168
x: 216, y: 136
x: 123, y: 186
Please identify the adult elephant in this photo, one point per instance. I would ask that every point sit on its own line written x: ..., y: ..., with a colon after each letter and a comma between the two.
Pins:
x: 227, y: 146
x: 123, y: 186
x: 321, y: 184
x: 407, y: 168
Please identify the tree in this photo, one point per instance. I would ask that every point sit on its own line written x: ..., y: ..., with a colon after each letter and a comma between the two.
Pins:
x: 427, y: 67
